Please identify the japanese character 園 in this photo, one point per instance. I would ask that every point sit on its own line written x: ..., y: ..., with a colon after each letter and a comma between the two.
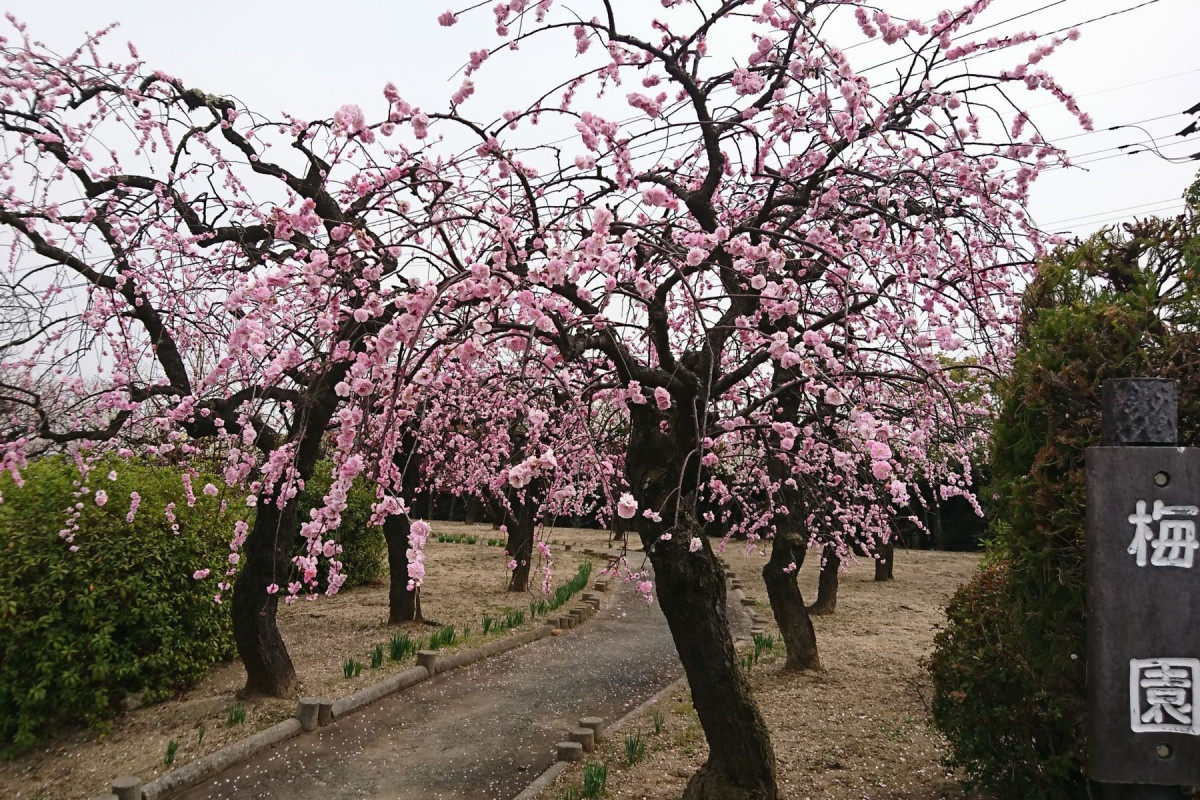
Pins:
x: 1162, y: 695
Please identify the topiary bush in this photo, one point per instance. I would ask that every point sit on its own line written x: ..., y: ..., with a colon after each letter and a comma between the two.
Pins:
x: 363, y: 545
x: 1009, y: 667
x: 79, y: 631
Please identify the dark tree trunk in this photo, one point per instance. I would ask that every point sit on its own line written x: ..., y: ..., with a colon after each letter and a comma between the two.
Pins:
x: 691, y: 590
x: 520, y: 547
x: 787, y: 603
x: 827, y: 583
x: 266, y: 560
x: 472, y: 510
x: 884, y: 556
x: 403, y: 605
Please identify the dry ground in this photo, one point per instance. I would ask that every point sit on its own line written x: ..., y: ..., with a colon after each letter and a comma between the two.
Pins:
x: 857, y: 729
x: 463, y: 582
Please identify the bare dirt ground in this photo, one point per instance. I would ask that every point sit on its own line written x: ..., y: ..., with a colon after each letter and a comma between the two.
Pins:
x: 857, y: 730
x: 463, y: 583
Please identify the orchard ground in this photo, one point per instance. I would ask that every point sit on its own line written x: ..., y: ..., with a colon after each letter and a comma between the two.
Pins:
x: 857, y: 729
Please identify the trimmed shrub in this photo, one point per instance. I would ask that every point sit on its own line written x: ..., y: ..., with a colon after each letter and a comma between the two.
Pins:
x: 79, y: 631
x: 1112, y: 307
x: 363, y: 545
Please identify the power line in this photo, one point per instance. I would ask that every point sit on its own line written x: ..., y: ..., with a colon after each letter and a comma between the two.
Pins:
x: 1157, y: 150
x: 1117, y: 127
x: 1178, y: 206
x: 1112, y: 211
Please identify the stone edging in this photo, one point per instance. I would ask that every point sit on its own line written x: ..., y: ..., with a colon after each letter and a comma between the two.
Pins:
x: 131, y: 788
x: 541, y: 782
x: 558, y: 767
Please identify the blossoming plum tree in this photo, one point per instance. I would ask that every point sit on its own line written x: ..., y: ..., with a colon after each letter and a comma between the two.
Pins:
x: 771, y: 258
x: 776, y: 240
x: 183, y: 266
x: 531, y: 441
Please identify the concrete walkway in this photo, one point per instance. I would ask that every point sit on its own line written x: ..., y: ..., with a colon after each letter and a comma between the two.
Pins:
x: 479, y: 733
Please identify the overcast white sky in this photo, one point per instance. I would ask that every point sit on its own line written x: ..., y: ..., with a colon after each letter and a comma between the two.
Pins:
x: 309, y: 58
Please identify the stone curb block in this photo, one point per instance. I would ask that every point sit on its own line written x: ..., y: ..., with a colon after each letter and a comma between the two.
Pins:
x: 544, y: 780
x: 401, y: 680
x: 541, y: 782
x: 219, y: 760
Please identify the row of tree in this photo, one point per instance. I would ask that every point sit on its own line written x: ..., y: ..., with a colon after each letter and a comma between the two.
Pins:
x: 741, y: 307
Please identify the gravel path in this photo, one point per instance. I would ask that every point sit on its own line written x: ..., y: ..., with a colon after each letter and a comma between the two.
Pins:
x: 476, y: 733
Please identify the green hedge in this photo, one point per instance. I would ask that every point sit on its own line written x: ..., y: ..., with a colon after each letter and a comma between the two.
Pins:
x: 80, y: 631
x: 1009, y: 667
x: 363, y: 545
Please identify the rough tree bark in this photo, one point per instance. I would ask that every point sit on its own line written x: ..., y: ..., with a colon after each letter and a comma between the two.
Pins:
x: 789, y: 547
x: 267, y: 560
x: 827, y: 583
x: 691, y: 590
x: 403, y: 605
x: 787, y: 603
x: 884, y: 554
x: 519, y: 545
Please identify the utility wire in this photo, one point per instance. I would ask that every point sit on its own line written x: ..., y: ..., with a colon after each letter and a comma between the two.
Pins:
x: 1110, y: 212
x: 1178, y: 206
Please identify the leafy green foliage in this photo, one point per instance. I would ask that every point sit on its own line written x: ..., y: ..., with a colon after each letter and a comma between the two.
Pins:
x: 1115, y: 306
x: 237, y: 715
x: 81, y: 631
x: 363, y: 545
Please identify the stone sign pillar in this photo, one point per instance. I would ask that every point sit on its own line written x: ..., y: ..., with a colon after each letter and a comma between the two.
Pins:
x: 1143, y: 596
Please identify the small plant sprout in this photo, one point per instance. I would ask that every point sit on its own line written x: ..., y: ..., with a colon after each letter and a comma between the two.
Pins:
x: 377, y: 657
x: 400, y: 647
x: 352, y: 668
x: 200, y: 736
x: 595, y: 779
x: 762, y: 643
x: 657, y: 716
x: 237, y: 715
x: 635, y: 747
x: 172, y: 749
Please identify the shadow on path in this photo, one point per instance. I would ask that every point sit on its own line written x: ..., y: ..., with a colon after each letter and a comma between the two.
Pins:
x: 478, y: 733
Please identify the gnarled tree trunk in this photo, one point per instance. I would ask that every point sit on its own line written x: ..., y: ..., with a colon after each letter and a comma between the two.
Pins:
x: 787, y: 603
x: 827, y: 583
x: 520, y: 522
x: 403, y: 605
x: 691, y: 590
x: 266, y: 560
